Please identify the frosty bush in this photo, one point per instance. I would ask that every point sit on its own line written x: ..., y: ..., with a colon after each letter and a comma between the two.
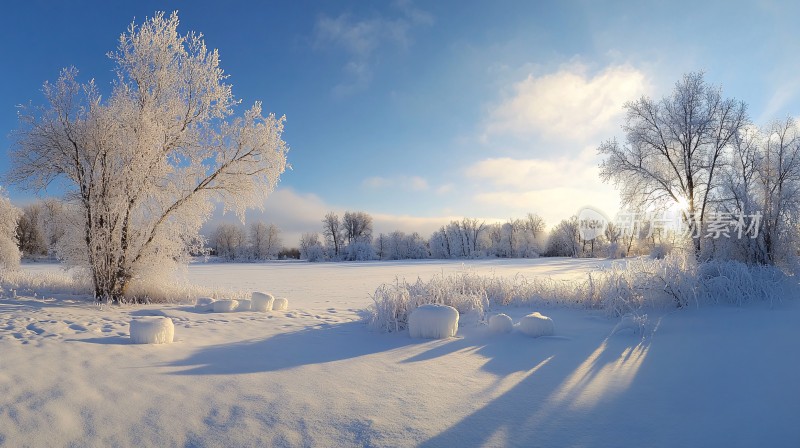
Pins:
x: 9, y: 216
x: 624, y: 288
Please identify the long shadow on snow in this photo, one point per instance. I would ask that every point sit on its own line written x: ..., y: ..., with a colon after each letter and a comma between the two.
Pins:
x: 573, y: 397
x: 283, y: 351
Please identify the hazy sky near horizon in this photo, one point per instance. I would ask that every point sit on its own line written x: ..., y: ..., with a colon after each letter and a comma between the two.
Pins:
x: 417, y: 112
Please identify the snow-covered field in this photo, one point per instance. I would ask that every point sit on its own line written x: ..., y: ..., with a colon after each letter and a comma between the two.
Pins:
x: 316, y: 376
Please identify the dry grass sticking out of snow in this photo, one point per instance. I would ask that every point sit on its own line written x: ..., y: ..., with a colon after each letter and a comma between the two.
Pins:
x: 623, y: 288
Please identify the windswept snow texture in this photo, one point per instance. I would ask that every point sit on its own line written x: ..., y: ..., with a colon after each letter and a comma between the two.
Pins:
x: 433, y: 322
x: 152, y: 330
x: 316, y: 376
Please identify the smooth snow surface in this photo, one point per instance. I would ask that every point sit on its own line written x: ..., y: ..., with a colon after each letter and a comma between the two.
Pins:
x: 281, y: 304
x: 433, y: 322
x: 536, y: 325
x: 152, y: 330
x: 261, y: 302
x: 501, y: 323
x: 225, y: 305
x: 316, y: 376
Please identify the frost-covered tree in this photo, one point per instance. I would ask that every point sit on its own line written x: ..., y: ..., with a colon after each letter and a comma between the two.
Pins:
x: 30, y: 231
x: 357, y: 226
x: 9, y: 216
x: 146, y: 164
x: 565, y: 240
x: 763, y: 175
x: 265, y: 241
x: 674, y: 148
x: 311, y: 248
x: 230, y: 242
x: 332, y: 230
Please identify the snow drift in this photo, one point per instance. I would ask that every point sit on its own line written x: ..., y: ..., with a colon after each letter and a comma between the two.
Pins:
x: 152, y: 330
x: 536, y: 325
x: 500, y: 323
x: 433, y: 322
x: 261, y: 301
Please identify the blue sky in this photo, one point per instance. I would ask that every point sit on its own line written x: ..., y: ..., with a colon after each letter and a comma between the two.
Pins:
x: 417, y: 112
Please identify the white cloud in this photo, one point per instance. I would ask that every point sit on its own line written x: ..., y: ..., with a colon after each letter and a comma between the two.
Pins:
x: 362, y: 38
x: 570, y: 104
x: 553, y: 188
x: 412, y: 183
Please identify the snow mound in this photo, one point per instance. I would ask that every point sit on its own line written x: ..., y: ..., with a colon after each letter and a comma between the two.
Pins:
x: 433, y: 322
x: 204, y: 304
x: 261, y: 301
x: 152, y: 330
x: 225, y: 306
x: 635, y: 323
x: 536, y: 325
x: 500, y: 323
x: 280, y: 304
x: 244, y: 305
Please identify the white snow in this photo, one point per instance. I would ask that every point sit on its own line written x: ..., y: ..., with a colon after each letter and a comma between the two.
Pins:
x: 536, y: 325
x: 225, y: 305
x: 317, y: 376
x: 152, y: 330
x: 204, y: 304
x: 433, y: 322
x: 280, y: 304
x: 262, y: 302
x: 501, y: 323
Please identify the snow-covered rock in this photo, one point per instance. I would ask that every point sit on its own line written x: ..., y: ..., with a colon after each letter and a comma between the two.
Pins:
x: 225, y: 306
x: 536, y: 325
x: 204, y: 304
x: 244, y: 305
x: 280, y: 304
x: 433, y: 322
x: 152, y: 330
x: 500, y: 323
x: 261, y: 302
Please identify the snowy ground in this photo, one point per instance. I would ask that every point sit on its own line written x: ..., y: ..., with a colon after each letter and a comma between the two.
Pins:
x: 315, y: 376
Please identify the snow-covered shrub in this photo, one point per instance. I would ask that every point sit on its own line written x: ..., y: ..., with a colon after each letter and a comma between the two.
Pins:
x: 225, y: 306
x: 280, y: 304
x: 152, y: 330
x: 536, y: 325
x: 624, y: 288
x: 394, y: 302
x: 261, y: 302
x: 501, y: 323
x: 433, y: 321
x: 9, y: 216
